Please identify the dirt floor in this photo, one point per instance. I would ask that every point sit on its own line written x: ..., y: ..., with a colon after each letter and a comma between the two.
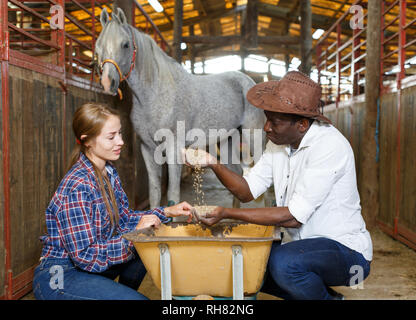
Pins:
x: 393, y: 269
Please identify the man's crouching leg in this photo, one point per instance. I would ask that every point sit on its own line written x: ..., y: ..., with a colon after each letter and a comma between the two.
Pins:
x: 304, y: 269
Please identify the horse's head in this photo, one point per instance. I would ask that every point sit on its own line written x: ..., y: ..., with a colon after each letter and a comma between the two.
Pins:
x: 115, y: 49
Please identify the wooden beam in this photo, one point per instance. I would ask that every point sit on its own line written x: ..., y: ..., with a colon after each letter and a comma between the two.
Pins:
x: 212, y: 39
x: 279, y: 40
x: 305, y: 36
x: 200, y: 6
x: 215, y: 50
x: 177, y: 30
x: 369, y: 168
x: 127, y: 7
x: 212, y: 16
x: 192, y: 51
x: 339, y: 9
x: 251, y: 22
x: 275, y: 40
x: 318, y: 21
x: 168, y: 17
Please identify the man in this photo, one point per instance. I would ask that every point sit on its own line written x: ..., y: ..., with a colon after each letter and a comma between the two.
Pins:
x: 311, y: 166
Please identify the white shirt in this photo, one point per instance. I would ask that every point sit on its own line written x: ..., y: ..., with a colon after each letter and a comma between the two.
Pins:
x: 318, y: 185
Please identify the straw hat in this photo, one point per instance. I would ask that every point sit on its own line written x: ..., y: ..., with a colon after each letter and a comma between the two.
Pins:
x: 295, y: 93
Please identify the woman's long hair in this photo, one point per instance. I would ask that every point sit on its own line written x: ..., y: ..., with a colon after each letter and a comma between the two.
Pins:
x: 89, y: 120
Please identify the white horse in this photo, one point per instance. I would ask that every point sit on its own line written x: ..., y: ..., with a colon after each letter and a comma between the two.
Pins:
x: 165, y: 94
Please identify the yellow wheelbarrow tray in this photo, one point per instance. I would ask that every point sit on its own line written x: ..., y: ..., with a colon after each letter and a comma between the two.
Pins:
x: 189, y: 259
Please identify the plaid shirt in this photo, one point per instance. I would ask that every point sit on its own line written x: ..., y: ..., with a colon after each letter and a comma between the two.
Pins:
x: 79, y: 225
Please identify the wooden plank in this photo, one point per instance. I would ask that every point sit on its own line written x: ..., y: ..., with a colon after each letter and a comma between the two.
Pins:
x: 387, y: 168
x: 408, y: 163
x: 32, y: 182
x: 223, y: 40
x: 250, y: 27
x: 306, y: 36
x: 2, y: 243
x: 358, y: 134
x: 177, y: 30
x: 370, y: 181
x: 17, y: 87
x: 30, y: 188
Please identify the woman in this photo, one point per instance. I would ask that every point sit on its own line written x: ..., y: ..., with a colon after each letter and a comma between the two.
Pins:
x: 84, y: 250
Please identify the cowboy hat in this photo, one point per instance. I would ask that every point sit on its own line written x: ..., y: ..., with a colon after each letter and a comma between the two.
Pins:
x: 295, y: 93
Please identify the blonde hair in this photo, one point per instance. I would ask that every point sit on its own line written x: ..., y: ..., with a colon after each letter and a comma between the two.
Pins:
x: 88, y: 120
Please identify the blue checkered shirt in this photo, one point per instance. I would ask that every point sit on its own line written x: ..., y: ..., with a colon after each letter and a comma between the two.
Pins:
x: 78, y: 224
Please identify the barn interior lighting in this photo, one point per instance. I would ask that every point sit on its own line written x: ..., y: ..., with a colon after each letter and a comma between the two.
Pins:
x: 88, y: 53
x: 295, y: 62
x: 156, y: 5
x: 318, y: 33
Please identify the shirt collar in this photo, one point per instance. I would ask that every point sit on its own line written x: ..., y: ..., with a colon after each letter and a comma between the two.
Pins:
x: 110, y: 169
x: 308, y: 138
x: 85, y: 162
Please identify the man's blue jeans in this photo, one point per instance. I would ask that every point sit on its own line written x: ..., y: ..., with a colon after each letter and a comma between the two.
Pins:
x: 60, y: 279
x: 304, y: 269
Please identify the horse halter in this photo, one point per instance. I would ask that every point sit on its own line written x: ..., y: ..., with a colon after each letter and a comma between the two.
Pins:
x: 133, y: 61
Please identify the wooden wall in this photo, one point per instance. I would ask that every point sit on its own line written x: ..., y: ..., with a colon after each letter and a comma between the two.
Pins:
x: 405, y: 229
x: 407, y: 216
x: 2, y: 243
x: 388, y: 157
x: 41, y: 141
x: 389, y: 162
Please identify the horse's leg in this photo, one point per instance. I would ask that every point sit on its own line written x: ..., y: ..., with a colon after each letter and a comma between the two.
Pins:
x: 154, y: 172
x: 174, y: 174
x: 233, y: 149
x: 174, y: 185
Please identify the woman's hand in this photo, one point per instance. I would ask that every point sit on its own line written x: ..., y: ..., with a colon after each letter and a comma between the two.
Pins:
x: 181, y: 209
x: 147, y: 221
x: 214, y: 216
x: 194, y: 157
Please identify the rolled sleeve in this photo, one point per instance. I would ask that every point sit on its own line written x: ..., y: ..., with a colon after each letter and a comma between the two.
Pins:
x: 159, y: 212
x: 300, y: 208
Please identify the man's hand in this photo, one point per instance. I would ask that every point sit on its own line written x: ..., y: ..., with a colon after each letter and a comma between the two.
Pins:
x: 147, y: 221
x: 194, y: 157
x: 181, y: 209
x: 214, y: 216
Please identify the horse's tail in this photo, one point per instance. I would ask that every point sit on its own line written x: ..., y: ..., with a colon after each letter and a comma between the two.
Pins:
x: 253, y: 137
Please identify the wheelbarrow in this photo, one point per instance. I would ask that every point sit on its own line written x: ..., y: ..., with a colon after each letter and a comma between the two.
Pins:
x: 184, y: 260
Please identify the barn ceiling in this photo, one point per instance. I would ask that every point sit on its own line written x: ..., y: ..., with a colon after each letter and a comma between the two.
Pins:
x: 227, y: 18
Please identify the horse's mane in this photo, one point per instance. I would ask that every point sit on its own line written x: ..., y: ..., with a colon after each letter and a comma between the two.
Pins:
x: 154, y: 64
